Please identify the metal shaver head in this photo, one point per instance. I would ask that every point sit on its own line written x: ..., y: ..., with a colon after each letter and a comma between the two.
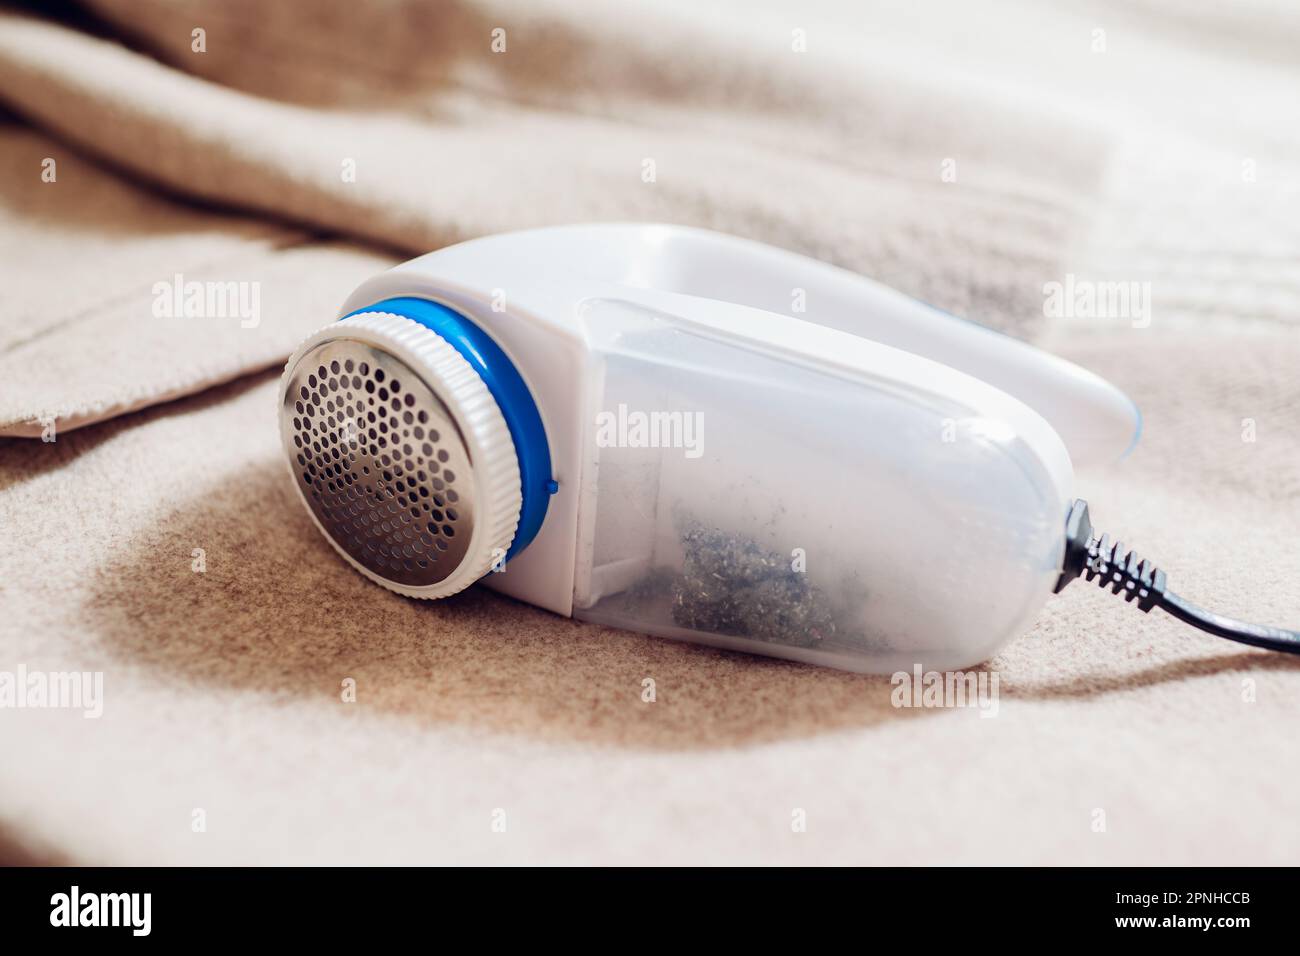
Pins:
x: 400, y: 454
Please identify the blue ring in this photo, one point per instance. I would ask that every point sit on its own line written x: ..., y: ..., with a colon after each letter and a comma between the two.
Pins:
x: 512, y: 397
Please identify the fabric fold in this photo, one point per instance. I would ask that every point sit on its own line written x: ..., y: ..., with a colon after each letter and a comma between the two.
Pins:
x: 582, y: 118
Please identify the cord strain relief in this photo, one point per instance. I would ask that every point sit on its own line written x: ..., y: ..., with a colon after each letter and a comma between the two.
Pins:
x: 1097, y: 558
x: 1124, y: 572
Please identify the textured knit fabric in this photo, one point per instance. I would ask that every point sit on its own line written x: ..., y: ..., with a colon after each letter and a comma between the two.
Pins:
x: 966, y: 156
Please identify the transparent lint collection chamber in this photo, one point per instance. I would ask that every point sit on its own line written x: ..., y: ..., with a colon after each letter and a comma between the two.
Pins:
x: 736, y: 497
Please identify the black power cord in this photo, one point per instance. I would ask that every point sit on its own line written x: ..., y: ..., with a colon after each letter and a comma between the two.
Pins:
x: 1099, y: 559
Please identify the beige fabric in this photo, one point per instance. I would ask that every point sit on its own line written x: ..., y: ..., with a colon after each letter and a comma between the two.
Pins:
x: 222, y: 688
x: 91, y: 327
x: 463, y: 145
